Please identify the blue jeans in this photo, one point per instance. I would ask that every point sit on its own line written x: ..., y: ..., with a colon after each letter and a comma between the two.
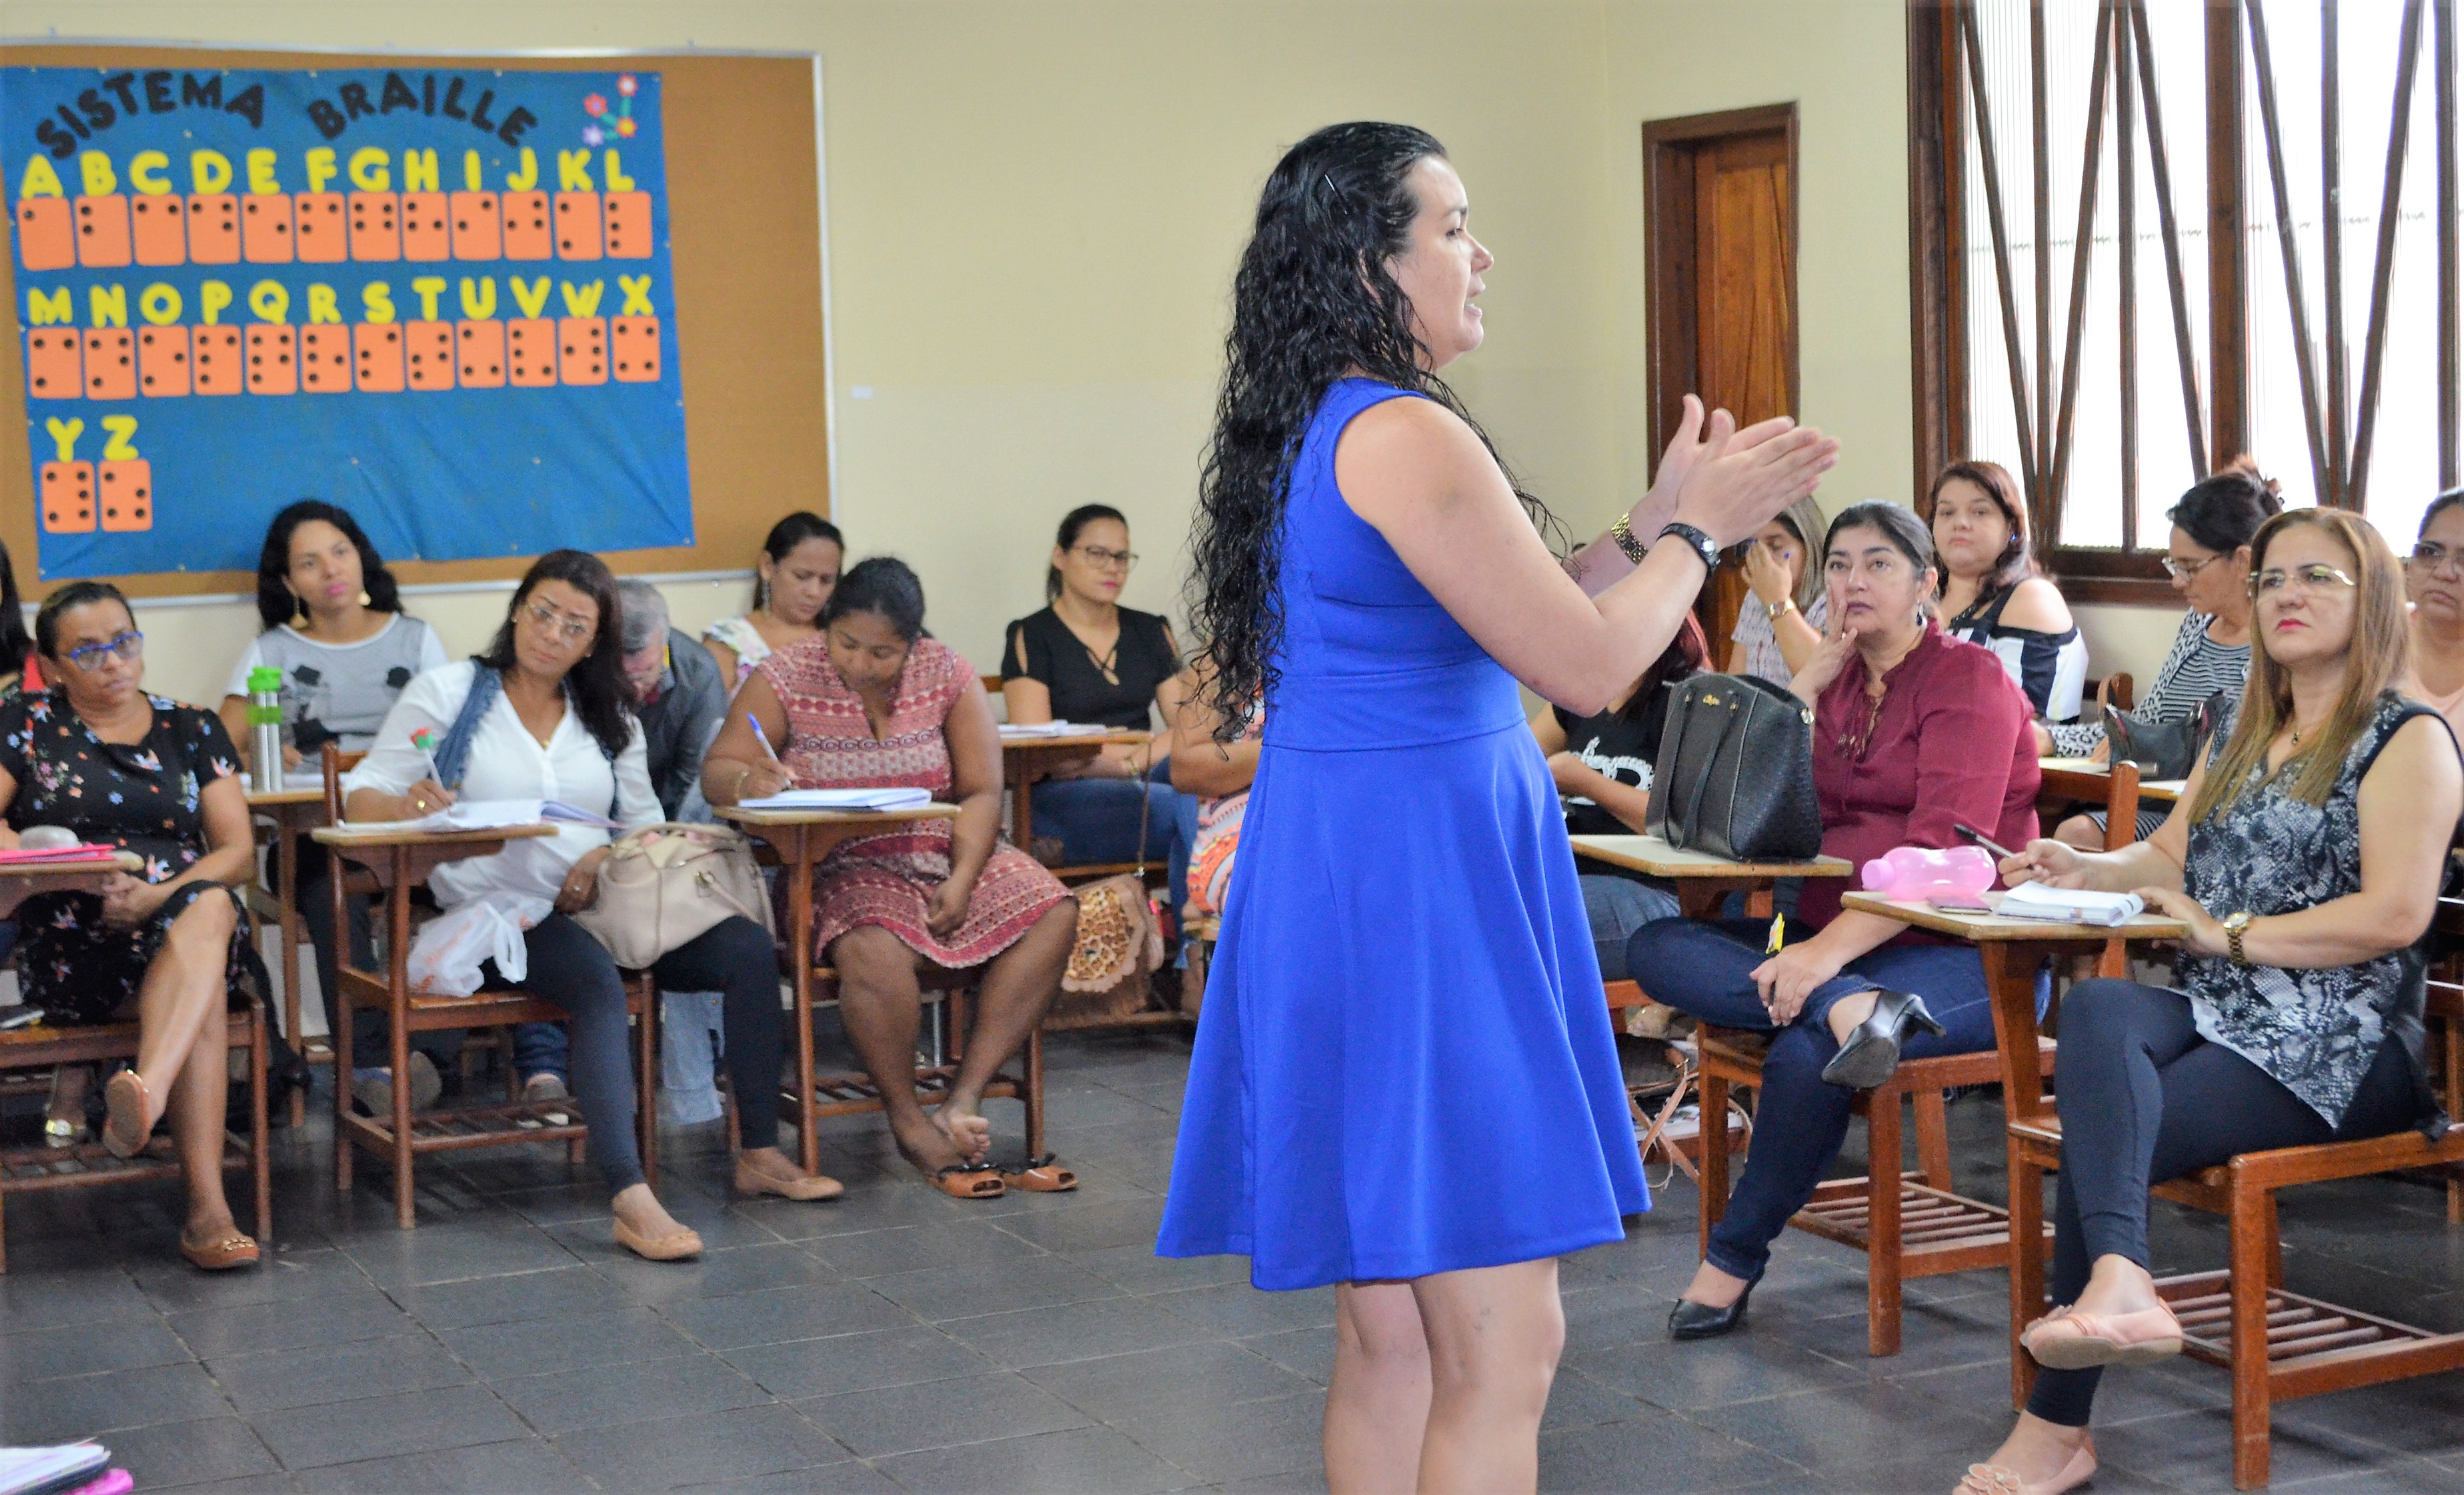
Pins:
x: 1616, y: 907
x: 542, y: 1048
x: 1097, y: 821
x: 1706, y: 967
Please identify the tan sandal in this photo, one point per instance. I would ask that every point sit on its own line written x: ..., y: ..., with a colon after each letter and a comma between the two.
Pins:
x: 802, y: 1186
x: 969, y: 1182
x: 125, y: 1126
x: 233, y: 1250
x: 2074, y: 1341
x: 1040, y: 1176
x: 685, y: 1243
x: 1992, y: 1478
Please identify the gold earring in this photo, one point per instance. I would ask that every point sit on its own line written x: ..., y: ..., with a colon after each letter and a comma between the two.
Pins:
x: 298, y: 612
x: 364, y: 596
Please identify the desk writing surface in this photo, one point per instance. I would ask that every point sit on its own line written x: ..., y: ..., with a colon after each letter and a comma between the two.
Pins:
x: 108, y: 862
x: 2164, y: 791
x: 1657, y: 858
x: 275, y: 798
x: 1077, y: 740
x: 740, y: 815
x: 1994, y: 927
x: 389, y: 833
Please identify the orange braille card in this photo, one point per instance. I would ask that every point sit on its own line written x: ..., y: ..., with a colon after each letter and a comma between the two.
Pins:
x: 581, y: 350
x: 427, y: 227
x: 376, y: 353
x: 102, y: 231
x: 110, y: 364
x: 479, y: 354
x: 127, y: 492
x: 325, y: 359
x: 428, y: 348
x: 321, y: 236
x: 530, y: 352
x: 52, y: 364
x: 213, y: 229
x: 270, y: 366
x: 217, y: 362
x: 526, y: 229
x: 67, y: 497
x: 162, y: 360
x: 376, y: 226
x: 265, y: 228
x: 160, y: 229
x: 478, y: 226
x: 577, y: 226
x: 629, y: 225
x: 45, y: 233
x: 634, y: 350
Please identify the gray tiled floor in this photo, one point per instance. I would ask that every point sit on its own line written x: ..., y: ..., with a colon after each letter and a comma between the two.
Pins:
x: 894, y: 1340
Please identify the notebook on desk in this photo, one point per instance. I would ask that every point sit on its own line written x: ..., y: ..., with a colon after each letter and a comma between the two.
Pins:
x: 843, y: 800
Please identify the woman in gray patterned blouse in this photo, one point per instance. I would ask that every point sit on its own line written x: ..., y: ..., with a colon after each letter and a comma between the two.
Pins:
x: 2305, y: 857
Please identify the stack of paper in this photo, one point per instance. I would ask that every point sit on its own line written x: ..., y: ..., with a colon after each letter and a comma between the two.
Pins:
x: 36, y: 1471
x: 20, y: 856
x: 2071, y: 906
x: 843, y: 800
x: 493, y: 815
x: 1051, y: 729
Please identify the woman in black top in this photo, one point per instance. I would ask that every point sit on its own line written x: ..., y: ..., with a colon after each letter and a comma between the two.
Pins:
x: 98, y: 757
x: 1086, y: 658
x: 1601, y: 765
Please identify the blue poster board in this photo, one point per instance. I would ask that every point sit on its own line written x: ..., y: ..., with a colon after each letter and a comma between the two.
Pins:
x: 440, y: 297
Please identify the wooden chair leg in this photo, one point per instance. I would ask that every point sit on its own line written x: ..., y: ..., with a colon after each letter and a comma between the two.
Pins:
x: 2027, y: 1269
x: 646, y: 1053
x: 343, y: 1145
x: 1933, y: 1138
x: 1034, y: 1097
x: 2253, y: 1240
x: 260, y: 1139
x: 405, y: 1216
x: 1883, y: 1223
x: 1711, y: 1135
x: 4, y: 1235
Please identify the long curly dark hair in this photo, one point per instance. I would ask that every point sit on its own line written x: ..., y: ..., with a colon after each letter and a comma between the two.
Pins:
x: 596, y: 686
x: 1314, y: 301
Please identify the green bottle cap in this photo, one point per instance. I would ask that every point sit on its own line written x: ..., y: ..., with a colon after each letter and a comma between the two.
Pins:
x: 264, y: 677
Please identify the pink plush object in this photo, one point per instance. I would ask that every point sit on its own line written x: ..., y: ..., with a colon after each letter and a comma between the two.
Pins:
x: 1915, y: 873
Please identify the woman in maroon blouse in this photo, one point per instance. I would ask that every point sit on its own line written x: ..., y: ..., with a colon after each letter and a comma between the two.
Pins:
x: 1914, y: 731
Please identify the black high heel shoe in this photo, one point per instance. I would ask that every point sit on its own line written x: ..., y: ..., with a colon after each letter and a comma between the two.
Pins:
x: 1691, y: 1320
x: 1872, y: 1052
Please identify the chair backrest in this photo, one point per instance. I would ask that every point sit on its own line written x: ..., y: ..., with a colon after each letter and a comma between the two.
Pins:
x: 2113, y: 691
x: 2118, y: 788
x: 337, y: 764
x: 994, y: 687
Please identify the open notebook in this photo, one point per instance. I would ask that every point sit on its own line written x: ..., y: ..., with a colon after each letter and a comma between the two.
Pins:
x: 37, y: 1471
x: 2071, y: 906
x: 843, y: 800
x: 492, y: 815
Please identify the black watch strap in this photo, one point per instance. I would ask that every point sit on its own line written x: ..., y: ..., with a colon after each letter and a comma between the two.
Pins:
x: 1701, y: 544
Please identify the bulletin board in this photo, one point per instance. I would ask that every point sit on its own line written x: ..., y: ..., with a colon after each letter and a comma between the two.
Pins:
x: 492, y: 305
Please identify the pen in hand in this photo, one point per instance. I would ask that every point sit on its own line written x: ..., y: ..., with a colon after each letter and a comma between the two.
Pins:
x: 1979, y: 838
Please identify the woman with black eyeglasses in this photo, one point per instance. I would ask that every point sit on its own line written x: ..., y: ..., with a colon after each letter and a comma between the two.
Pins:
x: 2208, y: 558
x: 100, y: 757
x: 2434, y: 577
x: 1086, y: 658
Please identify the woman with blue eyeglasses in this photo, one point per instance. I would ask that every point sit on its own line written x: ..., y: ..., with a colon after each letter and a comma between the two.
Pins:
x: 100, y: 757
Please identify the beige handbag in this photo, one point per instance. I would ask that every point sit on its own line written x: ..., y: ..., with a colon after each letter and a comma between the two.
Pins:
x: 1111, y: 965
x: 664, y: 886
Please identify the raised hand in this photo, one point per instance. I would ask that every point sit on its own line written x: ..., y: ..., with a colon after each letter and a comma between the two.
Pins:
x: 1735, y: 481
x: 1766, y: 575
x: 1829, y: 658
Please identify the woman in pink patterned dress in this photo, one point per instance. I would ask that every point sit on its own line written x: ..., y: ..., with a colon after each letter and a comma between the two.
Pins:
x: 872, y: 703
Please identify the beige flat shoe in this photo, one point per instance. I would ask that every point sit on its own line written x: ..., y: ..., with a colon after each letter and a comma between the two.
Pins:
x: 1991, y: 1479
x: 124, y: 1126
x: 802, y: 1186
x: 2074, y: 1341
x: 685, y: 1243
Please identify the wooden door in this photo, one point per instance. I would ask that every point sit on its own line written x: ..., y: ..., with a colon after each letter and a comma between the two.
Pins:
x: 1722, y: 314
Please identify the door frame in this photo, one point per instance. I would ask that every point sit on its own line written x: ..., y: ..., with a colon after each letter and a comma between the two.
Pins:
x: 1669, y: 147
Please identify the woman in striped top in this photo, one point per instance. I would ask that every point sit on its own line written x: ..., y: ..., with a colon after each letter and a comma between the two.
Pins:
x: 1993, y: 593
x: 2208, y: 561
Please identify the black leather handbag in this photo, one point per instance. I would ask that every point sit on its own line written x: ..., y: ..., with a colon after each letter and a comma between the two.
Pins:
x: 2162, y: 749
x: 1735, y: 775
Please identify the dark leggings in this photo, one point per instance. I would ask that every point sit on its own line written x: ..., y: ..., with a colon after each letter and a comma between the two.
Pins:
x: 370, y: 1048
x: 2143, y: 1098
x: 572, y: 970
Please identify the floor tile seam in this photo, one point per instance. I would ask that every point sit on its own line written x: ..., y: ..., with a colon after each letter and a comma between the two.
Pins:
x: 1193, y: 1475
x: 660, y: 1310
x: 1722, y: 1434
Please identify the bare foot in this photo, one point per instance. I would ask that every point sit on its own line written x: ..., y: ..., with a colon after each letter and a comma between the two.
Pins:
x: 922, y: 1142
x: 2117, y: 1285
x: 1714, y: 1289
x: 966, y: 1129
x: 2039, y: 1451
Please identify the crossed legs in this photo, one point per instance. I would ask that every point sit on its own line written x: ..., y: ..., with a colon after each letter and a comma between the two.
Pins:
x: 182, y: 1054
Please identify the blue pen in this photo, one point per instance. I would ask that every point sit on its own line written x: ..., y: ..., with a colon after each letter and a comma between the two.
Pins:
x: 761, y: 736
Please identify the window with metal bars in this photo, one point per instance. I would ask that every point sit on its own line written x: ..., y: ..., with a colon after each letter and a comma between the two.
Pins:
x: 2148, y: 236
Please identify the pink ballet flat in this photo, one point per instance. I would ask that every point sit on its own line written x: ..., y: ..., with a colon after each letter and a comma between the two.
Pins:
x: 1992, y: 1478
x: 2074, y: 1341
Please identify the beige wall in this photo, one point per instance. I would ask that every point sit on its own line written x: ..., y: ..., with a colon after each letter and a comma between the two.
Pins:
x: 1035, y: 206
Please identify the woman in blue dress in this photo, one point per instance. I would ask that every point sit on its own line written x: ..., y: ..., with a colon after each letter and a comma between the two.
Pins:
x: 1405, y: 1085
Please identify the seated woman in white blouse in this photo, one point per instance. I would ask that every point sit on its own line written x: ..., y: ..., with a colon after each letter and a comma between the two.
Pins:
x: 548, y: 717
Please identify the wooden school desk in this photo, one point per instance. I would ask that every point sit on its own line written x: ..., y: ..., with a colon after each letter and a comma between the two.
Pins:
x: 1027, y: 761
x: 1703, y: 879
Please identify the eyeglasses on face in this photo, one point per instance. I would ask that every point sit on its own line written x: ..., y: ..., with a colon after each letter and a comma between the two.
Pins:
x: 1103, y: 560
x: 2313, y: 578
x: 562, y: 626
x: 2431, y: 556
x: 2186, y: 569
x: 126, y: 646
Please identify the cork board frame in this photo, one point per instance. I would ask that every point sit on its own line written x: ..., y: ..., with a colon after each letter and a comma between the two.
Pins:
x: 747, y: 215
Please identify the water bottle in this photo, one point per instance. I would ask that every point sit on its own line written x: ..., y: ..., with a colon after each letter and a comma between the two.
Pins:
x: 1917, y: 872
x: 265, y: 728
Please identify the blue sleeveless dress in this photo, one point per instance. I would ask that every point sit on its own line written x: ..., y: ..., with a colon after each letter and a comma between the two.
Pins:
x: 1405, y: 1065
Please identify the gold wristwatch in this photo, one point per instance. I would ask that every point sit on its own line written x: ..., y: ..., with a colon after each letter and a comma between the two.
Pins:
x: 2235, y: 925
x: 1774, y: 611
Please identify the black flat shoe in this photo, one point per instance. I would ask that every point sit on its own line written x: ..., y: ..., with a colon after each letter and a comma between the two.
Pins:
x: 1690, y: 1320
x: 1872, y: 1052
